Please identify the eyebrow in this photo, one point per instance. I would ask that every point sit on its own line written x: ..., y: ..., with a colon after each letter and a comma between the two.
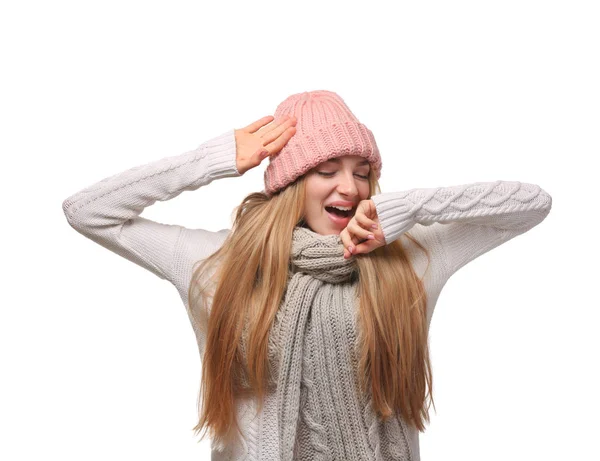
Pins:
x: 337, y: 160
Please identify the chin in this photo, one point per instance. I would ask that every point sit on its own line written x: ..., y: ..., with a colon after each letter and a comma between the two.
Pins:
x: 330, y: 232
x: 325, y: 228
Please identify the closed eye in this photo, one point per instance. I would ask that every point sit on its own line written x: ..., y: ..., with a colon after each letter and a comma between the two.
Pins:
x: 322, y: 173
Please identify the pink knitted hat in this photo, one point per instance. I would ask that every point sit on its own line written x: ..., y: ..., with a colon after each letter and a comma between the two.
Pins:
x: 325, y: 129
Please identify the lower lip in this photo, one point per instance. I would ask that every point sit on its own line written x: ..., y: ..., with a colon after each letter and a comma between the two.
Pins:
x: 338, y: 220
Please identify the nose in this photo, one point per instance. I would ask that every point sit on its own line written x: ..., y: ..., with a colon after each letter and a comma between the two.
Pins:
x: 347, y: 185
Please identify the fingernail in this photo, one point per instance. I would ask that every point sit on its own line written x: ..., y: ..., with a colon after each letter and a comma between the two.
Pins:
x: 350, y: 249
x: 370, y: 236
x: 373, y: 226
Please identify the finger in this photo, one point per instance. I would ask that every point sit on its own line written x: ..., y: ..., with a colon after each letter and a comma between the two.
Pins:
x: 274, y: 125
x: 354, y: 241
x: 366, y: 222
x: 367, y: 208
x: 349, y: 244
x: 255, y: 126
x: 346, y: 241
x: 366, y: 247
x: 274, y: 133
x: 359, y: 232
x: 260, y: 127
x: 345, y: 237
x: 281, y: 141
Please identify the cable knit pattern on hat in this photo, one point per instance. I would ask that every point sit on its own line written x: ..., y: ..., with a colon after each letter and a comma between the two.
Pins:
x: 325, y: 128
x: 456, y: 224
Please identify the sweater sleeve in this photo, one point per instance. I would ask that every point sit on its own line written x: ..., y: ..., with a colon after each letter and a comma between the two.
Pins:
x: 108, y: 211
x: 466, y: 220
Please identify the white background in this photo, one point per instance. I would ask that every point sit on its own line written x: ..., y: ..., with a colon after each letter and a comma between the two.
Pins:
x: 98, y: 357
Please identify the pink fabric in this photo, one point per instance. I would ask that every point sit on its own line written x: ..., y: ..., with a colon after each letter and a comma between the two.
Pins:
x: 325, y: 128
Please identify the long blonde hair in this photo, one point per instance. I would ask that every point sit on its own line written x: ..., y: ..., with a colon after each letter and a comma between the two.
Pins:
x: 247, y: 290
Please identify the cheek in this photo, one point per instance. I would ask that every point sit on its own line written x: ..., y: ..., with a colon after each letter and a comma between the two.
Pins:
x: 309, y: 199
x: 316, y: 193
x: 364, y: 191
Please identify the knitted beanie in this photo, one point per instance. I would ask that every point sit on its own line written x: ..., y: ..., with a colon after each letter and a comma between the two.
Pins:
x: 325, y: 129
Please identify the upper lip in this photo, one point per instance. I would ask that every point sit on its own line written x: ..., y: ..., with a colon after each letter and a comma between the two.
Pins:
x: 341, y: 203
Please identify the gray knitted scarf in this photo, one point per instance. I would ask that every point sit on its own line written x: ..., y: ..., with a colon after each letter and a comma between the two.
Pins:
x: 318, y: 272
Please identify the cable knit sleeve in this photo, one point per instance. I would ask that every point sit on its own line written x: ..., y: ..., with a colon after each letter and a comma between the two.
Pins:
x: 466, y: 220
x: 108, y: 211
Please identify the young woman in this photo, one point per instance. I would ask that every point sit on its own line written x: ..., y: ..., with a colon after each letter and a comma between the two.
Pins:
x: 312, y: 312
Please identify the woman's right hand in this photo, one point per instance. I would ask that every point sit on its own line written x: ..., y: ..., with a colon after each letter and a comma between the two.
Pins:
x: 262, y: 139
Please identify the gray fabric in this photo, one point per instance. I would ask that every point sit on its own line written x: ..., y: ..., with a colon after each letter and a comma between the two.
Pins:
x: 316, y: 260
x: 321, y: 414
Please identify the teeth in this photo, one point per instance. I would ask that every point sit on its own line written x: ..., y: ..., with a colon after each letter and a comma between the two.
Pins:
x: 343, y: 208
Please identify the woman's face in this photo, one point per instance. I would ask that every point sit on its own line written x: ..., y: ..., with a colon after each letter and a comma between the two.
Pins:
x: 341, y: 181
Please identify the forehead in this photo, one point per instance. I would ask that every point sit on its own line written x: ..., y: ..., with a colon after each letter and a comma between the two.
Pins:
x: 350, y: 159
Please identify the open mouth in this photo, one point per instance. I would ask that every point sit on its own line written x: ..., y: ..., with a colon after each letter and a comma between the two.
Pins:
x: 340, y: 213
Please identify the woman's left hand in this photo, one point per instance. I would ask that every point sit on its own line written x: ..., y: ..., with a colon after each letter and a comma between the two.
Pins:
x: 355, y: 235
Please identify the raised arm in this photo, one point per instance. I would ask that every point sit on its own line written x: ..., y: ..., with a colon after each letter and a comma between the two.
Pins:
x: 108, y: 211
x: 466, y: 220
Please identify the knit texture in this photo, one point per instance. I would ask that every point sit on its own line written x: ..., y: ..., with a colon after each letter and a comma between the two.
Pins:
x: 319, y: 285
x: 456, y: 224
x: 325, y: 129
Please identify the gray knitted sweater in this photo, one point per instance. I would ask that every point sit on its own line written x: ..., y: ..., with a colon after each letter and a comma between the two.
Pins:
x: 456, y: 224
